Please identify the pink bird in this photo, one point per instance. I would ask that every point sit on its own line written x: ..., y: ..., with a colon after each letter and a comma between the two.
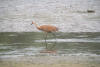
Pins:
x: 47, y: 29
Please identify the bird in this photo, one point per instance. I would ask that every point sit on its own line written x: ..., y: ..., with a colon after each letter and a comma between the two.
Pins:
x: 47, y: 29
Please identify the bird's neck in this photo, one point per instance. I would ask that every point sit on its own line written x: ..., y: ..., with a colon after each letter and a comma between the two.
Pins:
x: 37, y: 26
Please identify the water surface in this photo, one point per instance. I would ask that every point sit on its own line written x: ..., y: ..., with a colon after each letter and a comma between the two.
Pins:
x: 67, y: 15
x: 14, y: 44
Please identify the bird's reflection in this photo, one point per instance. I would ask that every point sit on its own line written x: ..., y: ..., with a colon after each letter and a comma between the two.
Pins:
x: 51, y: 48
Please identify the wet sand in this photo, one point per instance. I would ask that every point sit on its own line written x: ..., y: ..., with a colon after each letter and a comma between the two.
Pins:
x: 26, y: 64
x: 45, y: 61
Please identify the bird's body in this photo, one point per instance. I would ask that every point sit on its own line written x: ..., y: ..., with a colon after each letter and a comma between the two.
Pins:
x: 46, y: 28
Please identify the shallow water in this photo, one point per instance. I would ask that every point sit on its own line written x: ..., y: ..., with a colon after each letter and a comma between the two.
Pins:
x: 15, y: 45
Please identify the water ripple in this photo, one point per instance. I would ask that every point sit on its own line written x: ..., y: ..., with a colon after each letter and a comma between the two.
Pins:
x: 70, y: 40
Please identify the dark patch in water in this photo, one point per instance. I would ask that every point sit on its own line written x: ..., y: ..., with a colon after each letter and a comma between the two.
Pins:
x: 90, y: 11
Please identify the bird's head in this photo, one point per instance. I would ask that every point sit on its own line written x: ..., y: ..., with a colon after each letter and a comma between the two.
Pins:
x: 35, y: 24
x: 32, y: 23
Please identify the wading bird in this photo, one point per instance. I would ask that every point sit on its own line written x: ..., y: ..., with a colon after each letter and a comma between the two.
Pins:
x: 47, y: 29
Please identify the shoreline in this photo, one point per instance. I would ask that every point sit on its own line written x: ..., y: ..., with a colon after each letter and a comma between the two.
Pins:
x: 51, y: 61
x: 27, y: 64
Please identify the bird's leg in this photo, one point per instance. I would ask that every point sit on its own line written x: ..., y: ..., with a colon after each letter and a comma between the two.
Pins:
x: 55, y: 37
x: 46, y: 38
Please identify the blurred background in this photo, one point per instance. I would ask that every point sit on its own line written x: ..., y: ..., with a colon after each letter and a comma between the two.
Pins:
x: 67, y: 15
